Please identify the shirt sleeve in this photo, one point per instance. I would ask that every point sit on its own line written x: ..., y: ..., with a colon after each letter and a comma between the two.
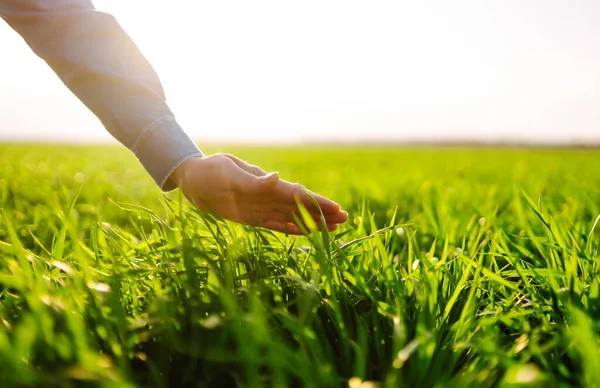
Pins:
x: 101, y: 65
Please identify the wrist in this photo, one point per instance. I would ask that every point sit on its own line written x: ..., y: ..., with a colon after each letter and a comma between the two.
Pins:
x: 178, y: 175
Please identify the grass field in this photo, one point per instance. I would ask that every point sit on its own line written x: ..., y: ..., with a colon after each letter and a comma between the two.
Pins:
x: 458, y: 267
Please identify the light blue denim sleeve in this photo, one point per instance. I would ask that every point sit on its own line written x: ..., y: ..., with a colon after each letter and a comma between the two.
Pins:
x: 103, y: 67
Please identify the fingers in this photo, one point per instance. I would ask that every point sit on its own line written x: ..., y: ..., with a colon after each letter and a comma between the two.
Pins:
x: 286, y: 213
x: 254, y: 170
x: 288, y: 192
x: 289, y: 228
x: 250, y: 180
x: 258, y: 218
x: 283, y: 227
x: 282, y: 192
x: 332, y: 227
x: 270, y: 201
x: 249, y: 184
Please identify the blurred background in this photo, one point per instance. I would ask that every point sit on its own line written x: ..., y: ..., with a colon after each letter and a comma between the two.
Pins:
x: 341, y: 71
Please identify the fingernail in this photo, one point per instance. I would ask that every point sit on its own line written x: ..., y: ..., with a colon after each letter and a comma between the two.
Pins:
x: 270, y: 177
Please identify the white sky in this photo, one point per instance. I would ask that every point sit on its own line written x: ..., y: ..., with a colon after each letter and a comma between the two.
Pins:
x: 351, y: 70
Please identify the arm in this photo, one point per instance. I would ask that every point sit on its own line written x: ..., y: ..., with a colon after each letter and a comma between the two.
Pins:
x: 102, y: 66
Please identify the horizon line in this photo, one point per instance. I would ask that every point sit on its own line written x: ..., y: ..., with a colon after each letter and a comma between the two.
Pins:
x: 355, y: 142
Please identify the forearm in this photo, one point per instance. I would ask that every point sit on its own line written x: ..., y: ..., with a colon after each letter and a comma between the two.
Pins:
x: 102, y: 66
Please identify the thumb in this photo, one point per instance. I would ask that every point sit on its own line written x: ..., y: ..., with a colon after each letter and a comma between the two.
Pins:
x: 251, y: 184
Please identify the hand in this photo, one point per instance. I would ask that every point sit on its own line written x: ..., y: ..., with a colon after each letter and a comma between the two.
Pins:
x: 229, y: 187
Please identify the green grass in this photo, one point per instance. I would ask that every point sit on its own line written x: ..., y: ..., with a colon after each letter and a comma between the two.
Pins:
x: 458, y: 267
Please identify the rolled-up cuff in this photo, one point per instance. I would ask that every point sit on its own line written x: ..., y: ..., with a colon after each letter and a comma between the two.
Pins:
x: 162, y: 148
